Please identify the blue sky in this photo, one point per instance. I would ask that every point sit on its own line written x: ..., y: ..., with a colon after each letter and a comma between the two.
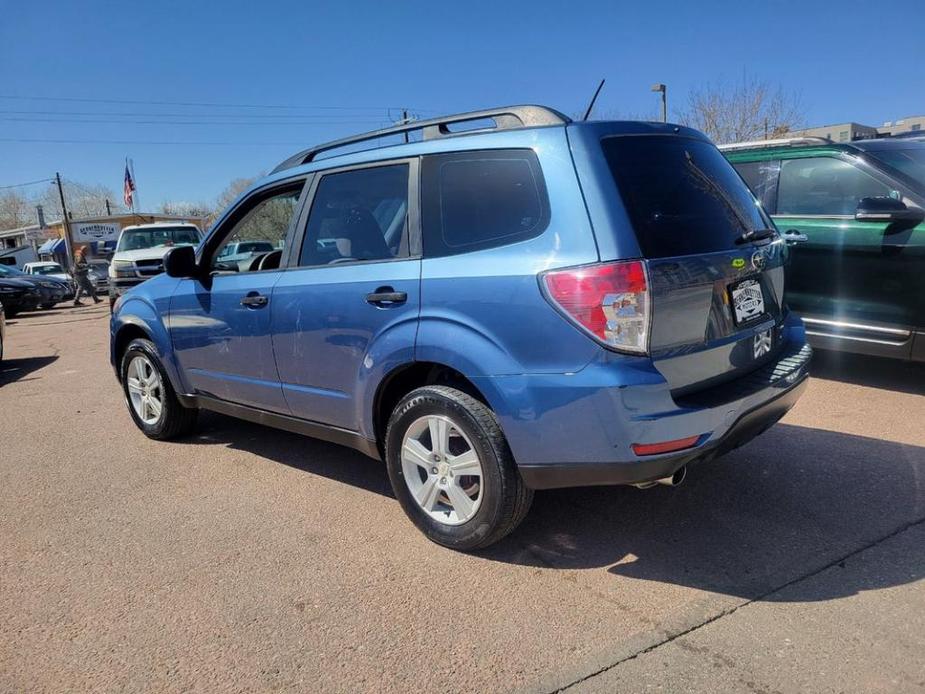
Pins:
x: 340, y: 67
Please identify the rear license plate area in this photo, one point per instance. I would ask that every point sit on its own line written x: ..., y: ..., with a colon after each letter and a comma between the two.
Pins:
x: 747, y: 301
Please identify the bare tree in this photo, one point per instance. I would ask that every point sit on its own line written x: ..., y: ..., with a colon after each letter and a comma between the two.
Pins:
x: 83, y: 200
x: 15, y: 210
x: 182, y: 208
x: 749, y: 109
x: 228, y: 196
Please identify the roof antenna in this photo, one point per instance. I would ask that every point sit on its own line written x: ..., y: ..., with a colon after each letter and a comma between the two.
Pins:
x: 593, y: 99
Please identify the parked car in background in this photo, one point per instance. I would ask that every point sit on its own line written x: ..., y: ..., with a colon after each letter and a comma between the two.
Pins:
x: 49, y: 269
x: 18, y: 295
x: 239, y: 255
x: 99, y: 274
x: 535, y: 304
x: 140, y: 253
x: 853, y: 214
x: 52, y: 290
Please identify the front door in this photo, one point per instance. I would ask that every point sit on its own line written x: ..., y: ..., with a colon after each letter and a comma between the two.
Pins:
x: 220, y: 323
x: 845, y: 271
x: 348, y: 312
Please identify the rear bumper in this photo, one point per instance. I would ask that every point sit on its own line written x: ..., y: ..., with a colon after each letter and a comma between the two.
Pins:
x: 578, y: 429
x: 747, y: 427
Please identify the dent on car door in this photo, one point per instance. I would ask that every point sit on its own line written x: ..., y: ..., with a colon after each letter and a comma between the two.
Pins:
x: 348, y: 313
x: 220, y: 322
x: 843, y: 270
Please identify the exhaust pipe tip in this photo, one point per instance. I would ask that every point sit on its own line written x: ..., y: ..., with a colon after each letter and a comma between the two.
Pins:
x: 676, y: 479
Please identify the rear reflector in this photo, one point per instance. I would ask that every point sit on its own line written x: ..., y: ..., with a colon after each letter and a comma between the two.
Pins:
x: 664, y: 446
x: 608, y: 300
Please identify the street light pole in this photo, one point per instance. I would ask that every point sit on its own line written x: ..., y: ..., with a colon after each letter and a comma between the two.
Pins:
x: 664, y: 91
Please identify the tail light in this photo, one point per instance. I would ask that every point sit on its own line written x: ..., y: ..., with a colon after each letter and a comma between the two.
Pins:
x: 608, y: 300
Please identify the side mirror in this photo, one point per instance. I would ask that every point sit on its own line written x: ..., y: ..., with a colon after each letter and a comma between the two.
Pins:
x: 181, y: 262
x: 889, y: 210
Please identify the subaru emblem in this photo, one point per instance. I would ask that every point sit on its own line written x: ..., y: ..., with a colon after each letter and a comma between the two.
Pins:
x: 758, y: 260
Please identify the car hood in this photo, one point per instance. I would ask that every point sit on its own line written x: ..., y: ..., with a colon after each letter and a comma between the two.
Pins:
x: 8, y: 282
x: 145, y: 253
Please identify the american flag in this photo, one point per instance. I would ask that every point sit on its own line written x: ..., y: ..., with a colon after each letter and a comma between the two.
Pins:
x: 128, y: 188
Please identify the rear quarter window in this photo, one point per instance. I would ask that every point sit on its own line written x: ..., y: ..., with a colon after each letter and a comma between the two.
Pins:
x: 481, y: 199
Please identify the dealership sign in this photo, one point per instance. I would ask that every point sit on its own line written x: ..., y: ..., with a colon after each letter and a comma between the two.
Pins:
x: 95, y: 232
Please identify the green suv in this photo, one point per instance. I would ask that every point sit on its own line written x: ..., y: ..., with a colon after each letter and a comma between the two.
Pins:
x: 852, y: 216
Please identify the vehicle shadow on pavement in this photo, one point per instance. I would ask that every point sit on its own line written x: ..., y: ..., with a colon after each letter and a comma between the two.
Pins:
x: 787, y: 504
x: 301, y: 452
x: 17, y: 369
x: 872, y: 372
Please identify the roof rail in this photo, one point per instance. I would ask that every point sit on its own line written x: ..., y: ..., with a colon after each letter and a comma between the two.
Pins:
x: 505, y: 118
x: 792, y: 141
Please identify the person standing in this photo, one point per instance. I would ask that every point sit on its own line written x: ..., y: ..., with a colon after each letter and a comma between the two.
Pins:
x: 82, y: 277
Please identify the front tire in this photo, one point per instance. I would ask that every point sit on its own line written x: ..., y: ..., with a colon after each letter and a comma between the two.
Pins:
x: 149, y: 395
x: 452, y: 470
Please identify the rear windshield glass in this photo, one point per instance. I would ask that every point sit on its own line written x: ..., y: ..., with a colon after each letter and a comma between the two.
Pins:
x: 682, y: 196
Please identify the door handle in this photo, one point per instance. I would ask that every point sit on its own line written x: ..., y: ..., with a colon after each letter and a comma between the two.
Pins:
x: 386, y: 296
x: 792, y: 236
x: 254, y: 300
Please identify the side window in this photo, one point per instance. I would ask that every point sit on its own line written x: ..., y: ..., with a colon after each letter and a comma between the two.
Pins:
x: 824, y: 186
x: 761, y: 177
x: 256, y: 241
x: 358, y: 215
x: 476, y: 200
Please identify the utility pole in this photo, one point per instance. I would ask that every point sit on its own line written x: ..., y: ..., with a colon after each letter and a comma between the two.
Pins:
x: 404, y: 120
x: 664, y: 91
x: 68, y: 242
x: 108, y: 208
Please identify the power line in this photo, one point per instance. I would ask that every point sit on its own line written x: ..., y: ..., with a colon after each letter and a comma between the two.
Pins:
x: 153, y: 114
x: 145, y: 142
x: 186, y: 122
x: 28, y: 183
x: 193, y: 103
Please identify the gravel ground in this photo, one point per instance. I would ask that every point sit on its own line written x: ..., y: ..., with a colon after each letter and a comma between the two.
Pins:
x: 248, y: 559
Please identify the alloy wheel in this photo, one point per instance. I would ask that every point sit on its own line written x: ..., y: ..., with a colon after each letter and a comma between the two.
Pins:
x: 442, y: 470
x: 145, y: 390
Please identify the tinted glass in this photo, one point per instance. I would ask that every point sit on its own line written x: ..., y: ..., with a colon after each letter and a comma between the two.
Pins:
x: 761, y: 177
x: 824, y: 186
x: 910, y: 162
x: 257, y: 236
x: 357, y: 216
x: 476, y: 200
x: 682, y: 196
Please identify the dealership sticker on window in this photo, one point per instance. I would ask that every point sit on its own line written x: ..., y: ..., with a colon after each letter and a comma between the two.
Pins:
x: 747, y: 300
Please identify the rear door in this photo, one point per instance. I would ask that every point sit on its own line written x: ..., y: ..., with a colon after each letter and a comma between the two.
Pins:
x: 717, y: 287
x: 348, y: 312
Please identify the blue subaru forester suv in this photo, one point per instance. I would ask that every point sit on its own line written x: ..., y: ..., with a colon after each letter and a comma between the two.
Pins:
x: 492, y: 303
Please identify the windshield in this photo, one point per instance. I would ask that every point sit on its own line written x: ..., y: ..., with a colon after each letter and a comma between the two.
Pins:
x: 7, y: 271
x: 53, y: 269
x: 137, y: 239
x: 910, y: 162
x: 682, y: 196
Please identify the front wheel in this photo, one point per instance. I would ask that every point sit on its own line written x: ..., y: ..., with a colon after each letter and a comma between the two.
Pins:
x: 452, y: 470
x: 151, y: 399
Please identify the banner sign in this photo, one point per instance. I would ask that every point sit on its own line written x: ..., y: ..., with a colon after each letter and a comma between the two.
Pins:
x: 95, y: 231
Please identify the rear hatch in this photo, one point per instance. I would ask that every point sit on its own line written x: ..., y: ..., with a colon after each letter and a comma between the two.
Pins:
x: 715, y: 266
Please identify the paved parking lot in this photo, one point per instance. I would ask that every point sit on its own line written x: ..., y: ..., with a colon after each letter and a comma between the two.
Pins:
x: 248, y: 559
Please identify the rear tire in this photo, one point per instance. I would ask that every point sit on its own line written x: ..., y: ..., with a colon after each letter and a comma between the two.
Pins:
x: 151, y: 399
x: 496, y: 500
